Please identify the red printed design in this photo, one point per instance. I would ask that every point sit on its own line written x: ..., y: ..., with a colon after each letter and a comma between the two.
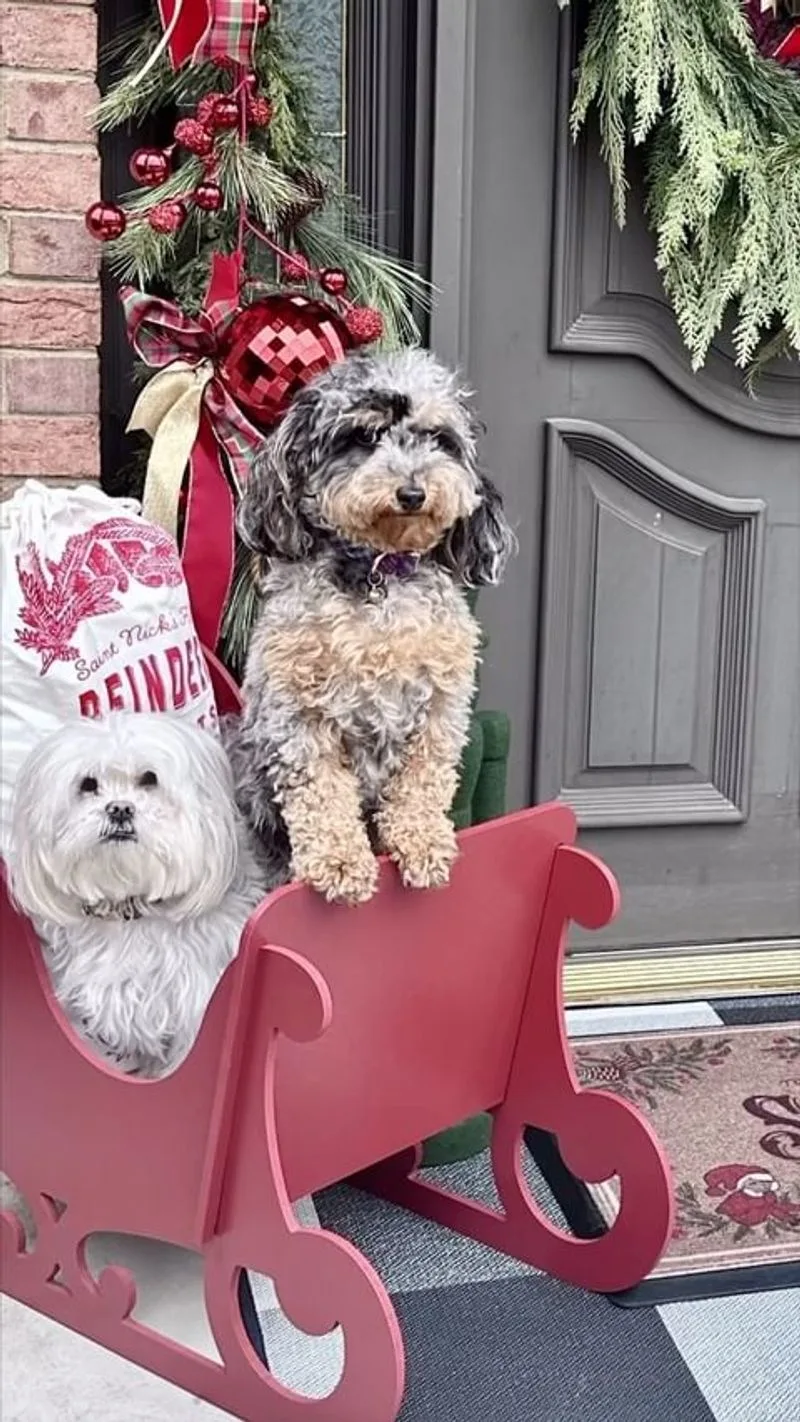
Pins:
x: 94, y: 567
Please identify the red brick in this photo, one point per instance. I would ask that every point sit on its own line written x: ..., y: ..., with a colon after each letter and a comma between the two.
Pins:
x: 60, y: 447
x: 44, y: 178
x: 47, y: 316
x: 51, y: 247
x: 37, y: 384
x: 52, y: 110
x: 31, y: 39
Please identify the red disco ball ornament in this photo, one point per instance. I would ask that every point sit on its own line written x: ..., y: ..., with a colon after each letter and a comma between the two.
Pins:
x: 275, y: 347
x: 150, y: 167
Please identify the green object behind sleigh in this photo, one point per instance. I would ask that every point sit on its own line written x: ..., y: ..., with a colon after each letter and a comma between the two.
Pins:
x: 481, y: 795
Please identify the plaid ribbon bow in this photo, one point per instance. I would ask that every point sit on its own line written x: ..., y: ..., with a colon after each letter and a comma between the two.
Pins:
x: 211, y: 30
x: 194, y: 422
x: 165, y: 338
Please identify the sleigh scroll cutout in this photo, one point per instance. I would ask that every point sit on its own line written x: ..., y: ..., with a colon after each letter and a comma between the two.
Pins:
x: 240, y: 1216
x: 599, y: 1135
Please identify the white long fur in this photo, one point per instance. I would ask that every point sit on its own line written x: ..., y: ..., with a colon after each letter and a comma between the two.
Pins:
x: 136, y: 990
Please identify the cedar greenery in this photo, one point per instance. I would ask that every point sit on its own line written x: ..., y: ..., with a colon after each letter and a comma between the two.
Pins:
x: 720, y: 125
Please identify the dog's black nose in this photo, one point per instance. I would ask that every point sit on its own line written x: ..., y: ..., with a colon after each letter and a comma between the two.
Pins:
x: 119, y: 811
x: 409, y: 498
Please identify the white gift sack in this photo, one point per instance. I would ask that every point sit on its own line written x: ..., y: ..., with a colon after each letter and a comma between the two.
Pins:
x: 95, y: 618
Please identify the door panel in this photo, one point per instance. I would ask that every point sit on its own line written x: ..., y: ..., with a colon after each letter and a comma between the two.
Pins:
x: 652, y: 590
x: 646, y: 641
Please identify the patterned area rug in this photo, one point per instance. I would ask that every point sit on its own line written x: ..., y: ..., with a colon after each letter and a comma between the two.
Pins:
x: 726, y: 1106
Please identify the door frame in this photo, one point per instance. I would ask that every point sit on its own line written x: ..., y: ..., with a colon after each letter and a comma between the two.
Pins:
x: 602, y: 975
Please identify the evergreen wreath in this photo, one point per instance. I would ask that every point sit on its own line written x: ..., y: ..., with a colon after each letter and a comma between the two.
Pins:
x: 720, y: 128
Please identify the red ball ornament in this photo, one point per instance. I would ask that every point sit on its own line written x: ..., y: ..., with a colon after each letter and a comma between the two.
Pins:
x: 167, y: 217
x: 334, y: 281
x: 208, y: 197
x: 226, y: 114
x: 259, y: 112
x: 295, y: 267
x: 192, y: 135
x: 365, y: 324
x: 274, y: 347
x: 105, y: 221
x: 204, y: 113
x: 150, y: 167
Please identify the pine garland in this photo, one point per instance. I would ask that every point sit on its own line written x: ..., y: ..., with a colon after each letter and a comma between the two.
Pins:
x: 273, y: 173
x: 720, y: 125
x: 289, y: 192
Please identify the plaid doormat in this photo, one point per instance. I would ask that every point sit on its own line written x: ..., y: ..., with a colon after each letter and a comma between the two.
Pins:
x: 726, y: 1106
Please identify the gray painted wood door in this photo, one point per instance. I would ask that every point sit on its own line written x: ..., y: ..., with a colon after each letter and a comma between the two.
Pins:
x: 647, y: 639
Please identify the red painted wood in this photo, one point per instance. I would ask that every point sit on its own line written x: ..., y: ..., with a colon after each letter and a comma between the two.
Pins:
x: 363, y: 1032
x: 599, y: 1135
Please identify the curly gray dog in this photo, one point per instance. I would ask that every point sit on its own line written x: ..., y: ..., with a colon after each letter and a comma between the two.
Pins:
x: 372, y: 516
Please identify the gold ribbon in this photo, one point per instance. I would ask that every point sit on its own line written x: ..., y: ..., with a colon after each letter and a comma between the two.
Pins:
x: 169, y: 409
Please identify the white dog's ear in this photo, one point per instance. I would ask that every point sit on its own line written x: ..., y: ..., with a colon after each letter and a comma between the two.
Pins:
x: 30, y: 883
x: 218, y: 832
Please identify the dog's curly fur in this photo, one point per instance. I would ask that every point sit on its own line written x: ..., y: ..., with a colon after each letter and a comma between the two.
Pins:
x: 371, y: 515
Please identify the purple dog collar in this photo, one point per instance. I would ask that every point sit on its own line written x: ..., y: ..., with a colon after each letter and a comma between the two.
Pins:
x: 390, y: 565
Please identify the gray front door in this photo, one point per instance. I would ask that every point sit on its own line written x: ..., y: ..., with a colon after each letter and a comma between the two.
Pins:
x: 647, y: 640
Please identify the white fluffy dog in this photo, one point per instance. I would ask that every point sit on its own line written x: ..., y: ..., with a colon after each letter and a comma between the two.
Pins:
x: 136, y: 869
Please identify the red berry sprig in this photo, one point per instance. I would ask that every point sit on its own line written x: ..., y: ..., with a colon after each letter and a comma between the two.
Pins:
x: 365, y: 324
x: 259, y: 111
x: 295, y: 267
x: 167, y: 217
x: 191, y: 134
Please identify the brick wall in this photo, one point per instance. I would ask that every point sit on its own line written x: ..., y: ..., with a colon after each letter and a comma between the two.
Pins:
x: 49, y: 292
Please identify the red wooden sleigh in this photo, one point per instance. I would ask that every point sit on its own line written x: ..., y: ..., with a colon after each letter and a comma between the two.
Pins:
x: 337, y: 1040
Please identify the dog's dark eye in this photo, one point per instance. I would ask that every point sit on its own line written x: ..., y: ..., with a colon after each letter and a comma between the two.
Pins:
x: 366, y: 437
x: 148, y: 780
x: 447, y: 443
x: 89, y: 785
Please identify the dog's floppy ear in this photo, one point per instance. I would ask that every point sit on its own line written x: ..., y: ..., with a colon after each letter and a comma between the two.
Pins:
x: 269, y: 519
x: 476, y: 549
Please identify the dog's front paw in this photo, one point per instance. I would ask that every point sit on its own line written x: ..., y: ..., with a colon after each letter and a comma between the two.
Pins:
x: 424, y: 849
x: 347, y: 876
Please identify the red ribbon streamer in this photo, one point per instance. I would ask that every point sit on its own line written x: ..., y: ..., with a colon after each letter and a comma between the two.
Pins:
x: 789, y: 47
x: 212, y: 30
x: 208, y: 543
x: 161, y: 333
